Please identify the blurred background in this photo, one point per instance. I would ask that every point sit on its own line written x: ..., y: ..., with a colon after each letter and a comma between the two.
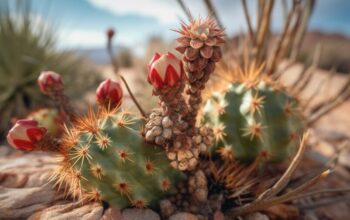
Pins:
x: 69, y: 37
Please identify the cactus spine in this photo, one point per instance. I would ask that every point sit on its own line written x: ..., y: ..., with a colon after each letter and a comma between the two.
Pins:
x: 252, y: 117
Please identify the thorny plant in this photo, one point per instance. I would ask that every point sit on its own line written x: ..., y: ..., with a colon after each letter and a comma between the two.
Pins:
x: 103, y: 154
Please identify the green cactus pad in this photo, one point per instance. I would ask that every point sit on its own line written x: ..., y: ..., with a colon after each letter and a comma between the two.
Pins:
x: 249, y: 120
x: 109, y: 161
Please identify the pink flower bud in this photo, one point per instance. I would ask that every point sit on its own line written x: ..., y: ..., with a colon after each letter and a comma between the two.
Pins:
x: 109, y: 93
x: 25, y: 134
x: 50, y: 81
x: 164, y: 70
x: 110, y: 33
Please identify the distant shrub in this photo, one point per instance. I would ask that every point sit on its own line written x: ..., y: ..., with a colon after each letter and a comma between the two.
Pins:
x: 27, y: 48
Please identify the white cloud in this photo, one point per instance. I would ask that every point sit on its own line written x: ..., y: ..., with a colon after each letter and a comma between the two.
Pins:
x: 169, y: 11
x: 82, y: 39
x: 165, y: 11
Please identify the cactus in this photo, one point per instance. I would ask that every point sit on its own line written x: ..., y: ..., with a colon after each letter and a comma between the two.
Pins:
x: 254, y: 116
x: 103, y: 156
x: 174, y: 126
x: 106, y: 159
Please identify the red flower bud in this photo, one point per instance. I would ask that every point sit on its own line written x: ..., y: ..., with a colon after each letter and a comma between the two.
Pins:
x: 164, y: 70
x: 109, y: 93
x: 50, y: 81
x: 25, y: 134
x: 110, y: 33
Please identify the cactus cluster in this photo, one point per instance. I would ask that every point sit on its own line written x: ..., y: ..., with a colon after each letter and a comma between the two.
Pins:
x: 254, y: 116
x: 180, y: 92
x: 114, y: 156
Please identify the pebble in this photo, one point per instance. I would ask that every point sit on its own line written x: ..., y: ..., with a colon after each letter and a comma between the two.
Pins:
x: 183, y: 216
x: 139, y: 214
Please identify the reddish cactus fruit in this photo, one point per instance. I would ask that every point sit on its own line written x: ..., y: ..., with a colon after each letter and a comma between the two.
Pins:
x: 25, y: 134
x: 164, y: 70
x: 109, y: 93
x: 50, y: 82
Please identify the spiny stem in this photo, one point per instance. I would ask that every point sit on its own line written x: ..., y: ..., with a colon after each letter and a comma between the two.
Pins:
x: 116, y: 72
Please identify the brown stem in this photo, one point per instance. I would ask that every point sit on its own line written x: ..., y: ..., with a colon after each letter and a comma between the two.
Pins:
x: 49, y: 144
x: 63, y: 103
x: 185, y: 9
x: 133, y: 97
x: 263, y: 29
x: 116, y: 72
x: 280, y: 42
x: 249, y: 23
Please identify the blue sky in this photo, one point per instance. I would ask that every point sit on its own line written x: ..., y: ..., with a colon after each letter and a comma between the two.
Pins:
x: 82, y: 23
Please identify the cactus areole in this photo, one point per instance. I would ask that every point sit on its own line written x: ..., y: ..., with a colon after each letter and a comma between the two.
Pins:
x: 252, y: 118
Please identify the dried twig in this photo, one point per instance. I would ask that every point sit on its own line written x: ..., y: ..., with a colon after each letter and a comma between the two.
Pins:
x: 326, y: 202
x: 307, y: 72
x: 185, y: 9
x: 318, y: 88
x: 249, y: 23
x: 116, y: 72
x: 305, y: 17
x: 263, y: 204
x: 278, y: 51
x: 328, y: 108
x: 283, y: 181
x: 263, y: 29
x: 329, y: 105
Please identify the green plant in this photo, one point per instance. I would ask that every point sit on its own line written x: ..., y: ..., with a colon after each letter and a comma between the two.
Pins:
x: 106, y: 158
x: 27, y: 48
x: 252, y: 117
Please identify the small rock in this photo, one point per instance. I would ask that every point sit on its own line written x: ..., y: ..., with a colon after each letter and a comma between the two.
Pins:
x: 183, y: 216
x: 166, y: 208
x: 198, y: 186
x: 256, y: 216
x: 218, y: 215
x: 112, y: 214
x: 139, y: 214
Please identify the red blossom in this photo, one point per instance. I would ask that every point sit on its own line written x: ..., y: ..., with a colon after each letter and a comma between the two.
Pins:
x: 164, y: 70
x: 109, y: 93
x: 25, y: 134
x: 50, y: 81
